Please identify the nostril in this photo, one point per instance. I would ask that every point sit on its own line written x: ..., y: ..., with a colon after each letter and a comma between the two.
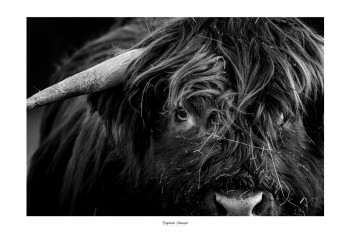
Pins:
x: 267, y: 206
x: 212, y: 207
x: 258, y: 208
x: 239, y: 203
x: 220, y: 209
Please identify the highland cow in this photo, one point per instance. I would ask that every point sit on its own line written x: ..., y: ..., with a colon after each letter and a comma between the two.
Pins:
x: 198, y: 116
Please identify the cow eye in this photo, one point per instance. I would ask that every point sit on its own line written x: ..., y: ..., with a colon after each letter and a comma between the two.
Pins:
x: 181, y: 114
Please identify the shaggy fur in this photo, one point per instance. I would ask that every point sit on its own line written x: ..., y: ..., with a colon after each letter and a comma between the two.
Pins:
x: 212, y: 104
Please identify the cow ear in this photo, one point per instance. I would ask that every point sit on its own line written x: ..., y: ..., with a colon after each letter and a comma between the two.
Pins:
x: 123, y: 123
x: 107, y: 102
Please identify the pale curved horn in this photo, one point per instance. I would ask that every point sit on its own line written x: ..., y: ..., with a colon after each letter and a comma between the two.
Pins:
x: 102, y: 76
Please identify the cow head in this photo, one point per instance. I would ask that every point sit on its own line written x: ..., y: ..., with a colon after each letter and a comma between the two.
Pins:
x: 222, y: 117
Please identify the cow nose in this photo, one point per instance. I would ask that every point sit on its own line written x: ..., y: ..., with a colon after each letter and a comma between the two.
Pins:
x: 239, y: 203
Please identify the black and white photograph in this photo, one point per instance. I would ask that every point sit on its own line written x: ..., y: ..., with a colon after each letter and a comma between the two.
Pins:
x: 174, y: 117
x: 180, y: 116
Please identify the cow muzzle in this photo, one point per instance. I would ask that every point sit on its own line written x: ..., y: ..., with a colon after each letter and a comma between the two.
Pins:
x: 241, y: 203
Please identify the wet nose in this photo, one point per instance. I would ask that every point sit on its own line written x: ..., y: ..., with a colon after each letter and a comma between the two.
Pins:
x: 239, y: 203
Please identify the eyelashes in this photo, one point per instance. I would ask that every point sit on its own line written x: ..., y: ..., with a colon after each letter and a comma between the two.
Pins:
x: 181, y: 114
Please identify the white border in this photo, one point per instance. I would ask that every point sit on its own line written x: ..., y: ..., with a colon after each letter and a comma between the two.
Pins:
x: 13, y: 116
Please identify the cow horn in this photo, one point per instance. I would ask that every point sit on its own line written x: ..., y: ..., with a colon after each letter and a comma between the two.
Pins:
x: 100, y: 77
